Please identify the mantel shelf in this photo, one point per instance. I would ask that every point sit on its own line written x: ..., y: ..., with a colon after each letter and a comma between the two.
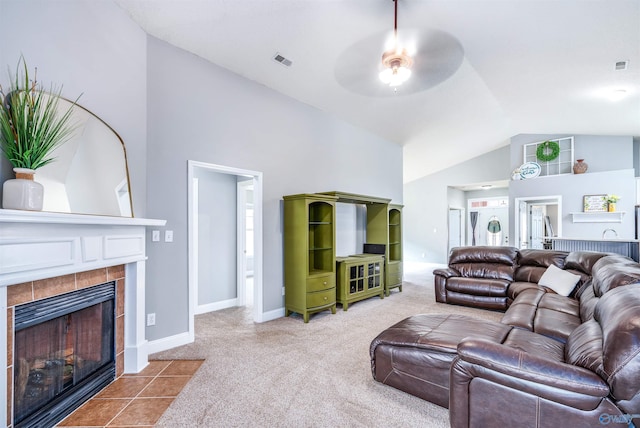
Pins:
x: 598, y: 217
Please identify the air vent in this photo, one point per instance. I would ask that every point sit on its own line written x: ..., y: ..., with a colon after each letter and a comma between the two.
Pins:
x: 282, y: 60
x: 622, y: 65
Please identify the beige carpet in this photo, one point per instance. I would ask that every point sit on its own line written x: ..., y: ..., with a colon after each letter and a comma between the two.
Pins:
x: 287, y: 373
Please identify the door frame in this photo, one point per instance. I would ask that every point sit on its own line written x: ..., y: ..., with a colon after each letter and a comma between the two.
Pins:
x: 192, y: 207
x: 534, y: 200
x: 241, y: 234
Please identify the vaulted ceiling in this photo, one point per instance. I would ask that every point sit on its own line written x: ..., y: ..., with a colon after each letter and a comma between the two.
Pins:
x: 485, y: 70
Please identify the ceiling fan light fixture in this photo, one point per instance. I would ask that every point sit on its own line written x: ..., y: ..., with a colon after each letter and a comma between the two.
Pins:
x: 397, y: 68
x: 396, y: 63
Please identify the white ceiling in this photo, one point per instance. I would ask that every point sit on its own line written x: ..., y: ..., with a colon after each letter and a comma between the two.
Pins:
x: 529, y: 66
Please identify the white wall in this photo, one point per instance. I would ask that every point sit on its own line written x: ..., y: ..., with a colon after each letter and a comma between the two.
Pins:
x: 202, y: 112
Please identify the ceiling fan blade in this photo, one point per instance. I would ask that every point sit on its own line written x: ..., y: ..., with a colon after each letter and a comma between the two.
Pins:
x: 436, y: 57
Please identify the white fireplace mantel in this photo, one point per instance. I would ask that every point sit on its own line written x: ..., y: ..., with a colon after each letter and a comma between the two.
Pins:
x: 37, y: 245
x: 40, y: 245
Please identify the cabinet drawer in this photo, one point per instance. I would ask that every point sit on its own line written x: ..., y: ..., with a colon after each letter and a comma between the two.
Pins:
x: 394, y: 279
x: 394, y: 268
x: 321, y: 298
x: 321, y: 283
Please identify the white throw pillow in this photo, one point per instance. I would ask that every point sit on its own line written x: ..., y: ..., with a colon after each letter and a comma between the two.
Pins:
x: 560, y: 281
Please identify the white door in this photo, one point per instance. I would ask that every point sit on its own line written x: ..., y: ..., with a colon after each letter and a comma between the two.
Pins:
x: 455, y: 229
x: 536, y: 229
x: 524, y: 229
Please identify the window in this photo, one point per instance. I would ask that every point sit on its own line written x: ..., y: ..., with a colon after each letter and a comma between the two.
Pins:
x: 563, y: 164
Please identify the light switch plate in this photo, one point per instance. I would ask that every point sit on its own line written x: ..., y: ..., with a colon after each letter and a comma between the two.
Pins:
x: 155, y: 236
x: 168, y: 236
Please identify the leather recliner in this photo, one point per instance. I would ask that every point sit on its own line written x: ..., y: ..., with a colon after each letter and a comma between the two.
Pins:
x: 592, y: 380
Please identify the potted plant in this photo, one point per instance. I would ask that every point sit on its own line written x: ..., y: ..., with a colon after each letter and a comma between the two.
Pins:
x: 611, y: 202
x: 31, y: 128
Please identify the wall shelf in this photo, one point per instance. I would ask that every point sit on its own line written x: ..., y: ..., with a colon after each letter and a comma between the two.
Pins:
x: 598, y: 217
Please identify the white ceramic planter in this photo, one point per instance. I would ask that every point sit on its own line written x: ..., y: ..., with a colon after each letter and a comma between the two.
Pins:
x: 22, y: 193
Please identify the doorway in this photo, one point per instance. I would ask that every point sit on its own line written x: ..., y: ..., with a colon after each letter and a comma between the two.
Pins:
x: 225, y: 239
x: 536, y: 220
x: 456, y: 227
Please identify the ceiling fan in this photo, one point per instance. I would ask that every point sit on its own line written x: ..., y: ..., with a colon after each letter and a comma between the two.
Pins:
x: 413, y: 59
x: 396, y: 62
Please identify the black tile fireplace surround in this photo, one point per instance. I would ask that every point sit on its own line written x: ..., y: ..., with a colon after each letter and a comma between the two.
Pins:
x: 64, y: 353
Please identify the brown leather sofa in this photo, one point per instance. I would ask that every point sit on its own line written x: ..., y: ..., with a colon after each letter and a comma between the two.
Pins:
x: 553, y: 359
x: 491, y: 277
x: 535, y: 381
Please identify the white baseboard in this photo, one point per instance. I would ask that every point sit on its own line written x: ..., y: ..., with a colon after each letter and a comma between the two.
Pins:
x: 185, y: 338
x: 272, y: 315
x: 169, y: 342
x: 216, y: 306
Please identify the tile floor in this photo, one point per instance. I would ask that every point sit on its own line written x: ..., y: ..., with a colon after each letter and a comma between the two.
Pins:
x: 135, y: 400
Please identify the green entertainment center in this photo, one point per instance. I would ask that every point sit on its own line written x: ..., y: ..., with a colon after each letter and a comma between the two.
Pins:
x: 310, y: 264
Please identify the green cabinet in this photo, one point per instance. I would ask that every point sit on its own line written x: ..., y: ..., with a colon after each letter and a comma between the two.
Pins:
x: 384, y: 226
x: 309, y: 254
x: 394, y: 249
x: 359, y: 277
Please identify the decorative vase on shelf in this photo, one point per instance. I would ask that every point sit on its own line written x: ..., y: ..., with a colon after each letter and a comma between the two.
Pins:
x: 22, y: 193
x: 611, y: 207
x: 580, y: 167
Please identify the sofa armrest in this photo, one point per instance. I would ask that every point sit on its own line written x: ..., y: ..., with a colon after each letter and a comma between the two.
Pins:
x: 446, y: 272
x: 560, y: 382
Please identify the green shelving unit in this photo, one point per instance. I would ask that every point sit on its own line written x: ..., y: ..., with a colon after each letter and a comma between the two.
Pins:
x: 394, y: 249
x: 309, y: 254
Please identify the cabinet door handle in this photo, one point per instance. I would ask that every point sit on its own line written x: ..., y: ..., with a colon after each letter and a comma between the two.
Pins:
x: 325, y: 297
x: 325, y: 282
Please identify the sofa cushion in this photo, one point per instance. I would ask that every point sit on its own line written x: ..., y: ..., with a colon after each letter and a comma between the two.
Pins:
x: 618, y: 313
x: 484, y: 262
x: 584, y: 347
x: 533, y: 263
x: 517, y: 287
x: 560, y: 281
x: 613, y: 271
x: 582, y: 261
x: 555, y: 324
x: 478, y: 286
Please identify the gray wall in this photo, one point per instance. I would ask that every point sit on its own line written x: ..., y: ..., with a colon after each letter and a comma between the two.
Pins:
x: 170, y: 106
x: 217, y: 246
x: 611, y: 162
x: 426, y: 200
x: 202, y: 112
x: 90, y: 48
x: 601, y: 153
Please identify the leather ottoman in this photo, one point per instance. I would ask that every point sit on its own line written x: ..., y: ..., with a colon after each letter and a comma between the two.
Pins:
x: 415, y: 354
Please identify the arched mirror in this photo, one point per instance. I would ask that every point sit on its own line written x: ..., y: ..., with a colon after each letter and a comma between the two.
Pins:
x: 89, y: 174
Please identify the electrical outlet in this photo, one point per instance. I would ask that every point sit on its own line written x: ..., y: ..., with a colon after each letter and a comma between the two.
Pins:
x: 283, y: 291
x: 168, y: 236
x: 155, y: 236
x: 151, y: 319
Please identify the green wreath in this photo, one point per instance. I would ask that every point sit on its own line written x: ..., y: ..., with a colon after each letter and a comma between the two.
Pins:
x: 548, y: 151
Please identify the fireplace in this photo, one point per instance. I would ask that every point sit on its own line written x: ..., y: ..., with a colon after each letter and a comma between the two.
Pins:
x: 64, y: 353
x: 43, y: 255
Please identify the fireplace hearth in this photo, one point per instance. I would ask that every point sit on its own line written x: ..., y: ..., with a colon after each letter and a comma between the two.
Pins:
x: 64, y: 353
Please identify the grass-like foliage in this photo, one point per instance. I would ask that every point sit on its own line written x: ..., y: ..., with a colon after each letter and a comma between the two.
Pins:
x: 31, y: 125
